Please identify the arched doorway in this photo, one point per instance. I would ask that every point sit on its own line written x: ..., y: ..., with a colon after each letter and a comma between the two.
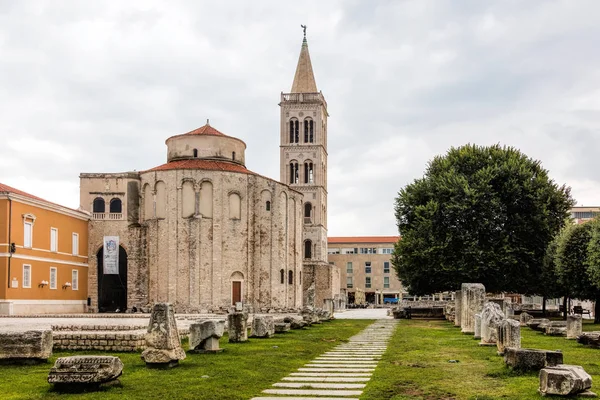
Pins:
x: 112, y: 289
x: 237, y: 279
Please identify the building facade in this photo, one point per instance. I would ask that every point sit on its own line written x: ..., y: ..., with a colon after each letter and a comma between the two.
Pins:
x: 43, y: 255
x: 200, y: 231
x: 365, y: 268
x: 583, y: 214
x: 303, y: 159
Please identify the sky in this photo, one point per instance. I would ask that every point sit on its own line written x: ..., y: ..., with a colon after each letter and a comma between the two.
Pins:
x: 99, y: 86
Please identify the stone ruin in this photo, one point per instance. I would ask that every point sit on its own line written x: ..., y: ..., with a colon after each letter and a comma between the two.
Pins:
x: 491, y: 316
x: 538, y: 324
x: 295, y: 321
x: 282, y: 327
x: 565, y: 380
x: 477, y: 334
x: 591, y: 339
x: 556, y: 328
x: 263, y: 327
x: 204, y: 336
x: 531, y: 359
x: 83, y: 372
x: 237, y: 327
x: 473, y: 297
x: 509, y: 335
x: 574, y: 326
x: 28, y: 347
x: 163, y: 346
x: 457, y: 308
x: 524, y: 318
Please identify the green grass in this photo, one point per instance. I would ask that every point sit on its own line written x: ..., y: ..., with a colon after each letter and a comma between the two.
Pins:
x: 241, y: 372
x: 416, y: 364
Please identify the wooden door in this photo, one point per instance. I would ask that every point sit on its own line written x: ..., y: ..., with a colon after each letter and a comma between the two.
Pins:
x: 236, y: 292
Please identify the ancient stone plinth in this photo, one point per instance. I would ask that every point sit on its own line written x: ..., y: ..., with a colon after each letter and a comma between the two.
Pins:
x: 538, y: 324
x: 449, y: 312
x: 574, y: 326
x: 163, y: 346
x: 85, y: 371
x: 295, y: 322
x: 328, y: 308
x: 477, y: 334
x: 556, y: 328
x: 564, y: 380
x: 457, y: 308
x: 25, y: 347
x: 531, y: 359
x: 263, y: 327
x: 238, y: 330
x: 282, y: 327
x: 310, y: 316
x: 525, y: 318
x: 590, y: 339
x: 491, y: 316
x: 473, y: 297
x: 509, y: 335
x: 204, y: 336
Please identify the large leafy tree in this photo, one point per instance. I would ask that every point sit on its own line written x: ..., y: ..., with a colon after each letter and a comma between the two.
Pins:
x: 479, y: 214
x: 593, y: 263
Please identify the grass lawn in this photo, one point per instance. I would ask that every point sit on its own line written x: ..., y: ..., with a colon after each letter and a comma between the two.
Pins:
x: 241, y: 372
x: 416, y: 364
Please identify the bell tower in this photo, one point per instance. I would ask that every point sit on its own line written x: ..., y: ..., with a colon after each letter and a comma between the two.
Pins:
x: 303, y: 158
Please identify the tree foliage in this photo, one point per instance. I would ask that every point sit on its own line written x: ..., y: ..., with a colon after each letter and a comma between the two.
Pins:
x: 593, y: 261
x: 479, y: 214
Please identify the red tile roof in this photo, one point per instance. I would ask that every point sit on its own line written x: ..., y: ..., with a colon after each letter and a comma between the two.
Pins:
x: 205, y: 130
x: 362, y: 239
x: 7, y: 189
x: 203, y: 164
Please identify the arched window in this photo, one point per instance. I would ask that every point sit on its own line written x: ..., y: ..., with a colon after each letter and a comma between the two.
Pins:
x: 309, y: 131
x: 195, y: 153
x: 309, y: 174
x: 290, y: 277
x: 99, y: 205
x: 282, y: 276
x: 235, y: 206
x: 293, y: 172
x: 294, y: 131
x: 308, y: 249
x: 116, y: 206
x: 233, y: 155
x: 268, y: 205
x: 160, y: 207
x: 307, y: 212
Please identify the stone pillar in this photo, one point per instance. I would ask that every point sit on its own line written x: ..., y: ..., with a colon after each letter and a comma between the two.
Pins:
x: 525, y: 317
x: 509, y: 335
x: 473, y: 296
x: 204, y: 336
x: 491, y: 316
x: 163, y: 346
x: 574, y: 326
x: 238, y: 330
x: 457, y: 307
x: 477, y: 334
x: 263, y: 327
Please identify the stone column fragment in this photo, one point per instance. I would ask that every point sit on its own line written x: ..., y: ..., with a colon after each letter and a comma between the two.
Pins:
x: 238, y: 328
x: 509, y: 335
x: 263, y: 327
x: 491, y: 316
x: 163, y: 346
x: 473, y: 297
x: 457, y: 307
x: 574, y: 326
x: 204, y: 336
x: 477, y: 334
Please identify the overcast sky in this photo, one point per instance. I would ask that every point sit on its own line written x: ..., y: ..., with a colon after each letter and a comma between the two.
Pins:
x: 98, y: 87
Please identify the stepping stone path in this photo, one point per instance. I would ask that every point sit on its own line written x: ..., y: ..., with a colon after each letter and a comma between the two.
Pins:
x: 339, y: 374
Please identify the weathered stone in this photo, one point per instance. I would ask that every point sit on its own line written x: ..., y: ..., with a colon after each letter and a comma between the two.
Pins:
x: 328, y: 308
x: 457, y: 308
x: 509, y: 335
x: 310, y: 316
x: 263, y: 327
x: 204, y: 336
x: 525, y: 318
x: 556, y: 328
x: 85, y: 370
x: 25, y: 346
x: 590, y: 339
x: 477, y: 334
x: 473, y: 297
x: 282, y: 327
x: 238, y: 329
x: 574, y: 326
x: 564, y: 380
x: 538, y: 324
x: 531, y: 359
x: 296, y: 322
x: 163, y: 346
x: 491, y: 316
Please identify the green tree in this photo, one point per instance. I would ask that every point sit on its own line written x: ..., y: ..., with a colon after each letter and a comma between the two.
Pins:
x: 549, y: 286
x: 479, y: 214
x: 593, y: 262
x: 572, y: 263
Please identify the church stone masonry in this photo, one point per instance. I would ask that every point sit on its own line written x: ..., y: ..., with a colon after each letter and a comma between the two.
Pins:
x: 303, y: 158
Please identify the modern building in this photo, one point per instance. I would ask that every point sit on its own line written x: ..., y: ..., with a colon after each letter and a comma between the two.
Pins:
x: 43, y: 255
x: 365, y: 268
x: 303, y: 160
x: 583, y: 214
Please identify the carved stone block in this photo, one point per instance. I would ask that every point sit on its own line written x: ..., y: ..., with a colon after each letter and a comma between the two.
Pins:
x: 25, y: 346
x: 85, y: 370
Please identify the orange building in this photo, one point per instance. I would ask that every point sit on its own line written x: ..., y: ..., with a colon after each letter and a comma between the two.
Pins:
x: 43, y: 255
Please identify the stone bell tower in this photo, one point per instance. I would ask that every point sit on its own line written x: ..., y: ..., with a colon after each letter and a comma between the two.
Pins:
x: 304, y: 168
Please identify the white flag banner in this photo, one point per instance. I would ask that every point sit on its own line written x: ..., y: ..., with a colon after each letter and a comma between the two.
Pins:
x: 111, y: 255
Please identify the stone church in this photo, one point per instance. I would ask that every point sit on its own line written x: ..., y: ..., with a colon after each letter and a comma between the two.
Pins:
x: 204, y: 232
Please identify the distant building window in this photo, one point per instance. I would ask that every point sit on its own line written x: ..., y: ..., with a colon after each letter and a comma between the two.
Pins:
x: 308, y: 249
x: 26, y: 276
x: 195, y: 153
x: 294, y: 131
x: 585, y: 214
x: 268, y: 206
x: 308, y: 172
x: 27, y: 234
x: 349, y: 267
x: 386, y: 282
x: 368, y: 282
x: 282, y: 276
x: 75, y: 244
x: 116, y: 206
x: 233, y: 155
x: 290, y: 278
x: 53, y: 277
x: 75, y: 280
x: 53, y: 240
x: 293, y: 172
x: 99, y: 206
x: 387, y: 251
x: 367, y: 267
x: 349, y: 282
x: 333, y: 251
x: 386, y: 267
x: 368, y: 250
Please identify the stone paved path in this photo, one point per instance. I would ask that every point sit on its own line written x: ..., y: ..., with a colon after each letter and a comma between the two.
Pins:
x: 339, y: 374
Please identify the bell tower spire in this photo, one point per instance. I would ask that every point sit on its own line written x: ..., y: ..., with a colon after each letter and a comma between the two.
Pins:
x: 304, y: 79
